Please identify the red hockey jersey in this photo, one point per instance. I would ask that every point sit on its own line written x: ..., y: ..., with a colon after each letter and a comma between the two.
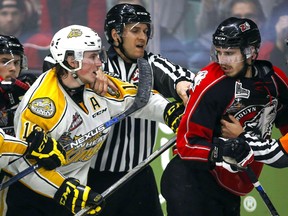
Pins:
x: 254, y: 101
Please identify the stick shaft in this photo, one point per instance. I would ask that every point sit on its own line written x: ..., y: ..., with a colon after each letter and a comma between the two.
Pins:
x: 20, y: 175
x: 261, y: 191
x: 131, y: 174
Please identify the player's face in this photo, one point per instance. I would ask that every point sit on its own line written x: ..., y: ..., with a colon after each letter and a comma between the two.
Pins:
x: 90, y: 65
x: 9, y: 66
x: 231, y: 60
x: 135, y: 39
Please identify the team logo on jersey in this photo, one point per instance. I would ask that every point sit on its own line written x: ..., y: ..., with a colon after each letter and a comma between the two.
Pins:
x: 74, y: 33
x: 76, y: 121
x: 198, y: 78
x: 86, y: 146
x: 262, y: 123
x: 43, y: 107
x: 241, y: 92
x: 244, y: 26
x: 135, y: 77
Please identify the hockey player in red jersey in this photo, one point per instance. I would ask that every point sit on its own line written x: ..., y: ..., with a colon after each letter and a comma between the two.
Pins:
x: 273, y: 152
x: 197, y: 181
x: 13, y: 84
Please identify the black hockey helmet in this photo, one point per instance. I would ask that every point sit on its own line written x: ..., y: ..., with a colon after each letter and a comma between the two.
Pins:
x: 11, y: 45
x: 122, y: 14
x: 237, y: 32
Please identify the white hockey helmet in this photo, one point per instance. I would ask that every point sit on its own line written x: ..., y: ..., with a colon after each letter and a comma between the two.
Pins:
x: 74, y: 39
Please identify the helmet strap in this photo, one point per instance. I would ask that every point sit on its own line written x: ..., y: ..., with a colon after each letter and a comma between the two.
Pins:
x: 74, y: 71
x: 75, y: 76
x: 120, y: 46
x: 242, y: 73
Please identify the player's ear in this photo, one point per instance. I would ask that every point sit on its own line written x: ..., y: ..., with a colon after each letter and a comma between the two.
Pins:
x: 71, y: 62
x: 116, y: 37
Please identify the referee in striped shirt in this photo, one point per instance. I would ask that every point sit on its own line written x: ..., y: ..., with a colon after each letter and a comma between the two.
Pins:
x: 128, y: 29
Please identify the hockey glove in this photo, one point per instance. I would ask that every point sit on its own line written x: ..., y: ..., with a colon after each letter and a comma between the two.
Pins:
x: 13, y: 91
x: 172, y: 115
x: 75, y: 197
x: 234, y: 152
x: 45, y: 150
x: 27, y: 78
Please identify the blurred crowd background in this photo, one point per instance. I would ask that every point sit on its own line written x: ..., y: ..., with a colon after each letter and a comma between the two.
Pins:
x: 182, y: 29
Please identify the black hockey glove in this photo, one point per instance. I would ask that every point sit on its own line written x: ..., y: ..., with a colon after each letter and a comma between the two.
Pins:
x: 75, y: 197
x: 45, y: 150
x: 13, y: 91
x: 27, y: 78
x: 172, y: 115
x: 235, y: 152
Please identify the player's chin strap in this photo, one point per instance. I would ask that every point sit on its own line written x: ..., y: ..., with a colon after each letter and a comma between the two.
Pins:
x: 244, y: 70
x: 74, y: 71
x: 75, y: 76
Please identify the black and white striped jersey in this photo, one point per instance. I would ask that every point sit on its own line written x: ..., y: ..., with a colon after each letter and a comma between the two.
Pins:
x: 269, y: 151
x: 132, y: 140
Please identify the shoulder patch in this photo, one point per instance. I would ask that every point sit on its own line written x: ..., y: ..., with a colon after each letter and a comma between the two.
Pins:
x: 43, y: 107
x: 198, y: 78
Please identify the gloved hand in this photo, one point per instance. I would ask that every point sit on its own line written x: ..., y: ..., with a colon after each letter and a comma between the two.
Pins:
x: 45, y: 150
x: 13, y: 91
x: 75, y: 197
x: 27, y: 78
x: 235, y: 152
x: 172, y: 115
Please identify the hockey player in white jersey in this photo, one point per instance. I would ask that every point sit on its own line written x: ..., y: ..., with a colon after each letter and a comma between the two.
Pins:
x: 62, y: 103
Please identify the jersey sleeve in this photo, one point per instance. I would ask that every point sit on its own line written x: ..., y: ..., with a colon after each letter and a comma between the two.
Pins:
x: 167, y: 75
x: 124, y: 98
x: 42, y: 181
x: 11, y: 148
x: 208, y: 100
x: 281, y: 81
x: 273, y: 152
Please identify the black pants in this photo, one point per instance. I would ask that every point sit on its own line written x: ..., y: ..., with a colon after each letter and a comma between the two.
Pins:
x: 138, y: 197
x: 25, y: 202
x: 190, y: 191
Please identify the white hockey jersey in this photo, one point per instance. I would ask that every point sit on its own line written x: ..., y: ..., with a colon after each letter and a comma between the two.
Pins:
x: 48, y: 106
